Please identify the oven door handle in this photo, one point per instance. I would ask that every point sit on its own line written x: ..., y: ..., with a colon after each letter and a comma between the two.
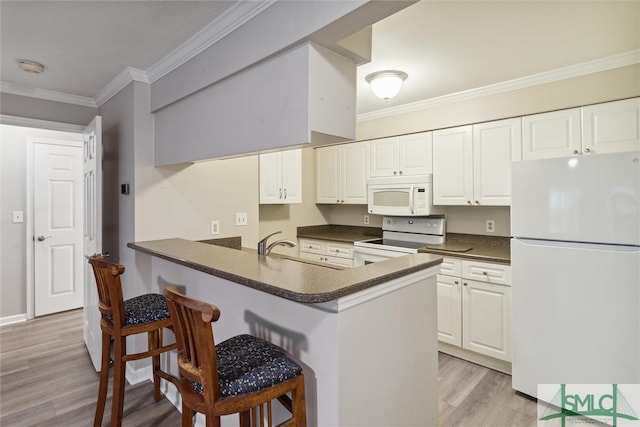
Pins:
x: 412, y: 190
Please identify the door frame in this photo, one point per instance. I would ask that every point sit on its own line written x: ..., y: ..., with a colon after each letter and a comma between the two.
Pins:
x: 30, y: 261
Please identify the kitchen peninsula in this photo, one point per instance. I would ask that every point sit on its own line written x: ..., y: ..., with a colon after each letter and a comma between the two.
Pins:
x: 366, y: 337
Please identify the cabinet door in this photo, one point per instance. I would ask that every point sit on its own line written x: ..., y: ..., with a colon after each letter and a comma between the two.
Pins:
x: 453, y: 166
x: 384, y: 157
x: 486, y: 318
x: 354, y: 172
x: 292, y: 176
x: 327, y: 173
x: 611, y: 127
x: 554, y: 134
x: 311, y: 256
x: 271, y: 178
x: 414, y: 154
x: 449, y: 310
x: 495, y: 146
x: 342, y: 262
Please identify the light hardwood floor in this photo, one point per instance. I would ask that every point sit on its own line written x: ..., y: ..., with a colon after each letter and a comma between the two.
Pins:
x: 46, y: 379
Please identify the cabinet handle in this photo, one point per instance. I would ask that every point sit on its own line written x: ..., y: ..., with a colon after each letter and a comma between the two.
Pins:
x: 485, y: 273
x: 395, y: 173
x: 477, y: 202
x: 575, y: 151
x: 280, y: 189
x: 285, y: 193
x: 400, y: 172
x: 587, y: 150
x: 455, y: 282
x: 464, y: 283
x: 468, y: 202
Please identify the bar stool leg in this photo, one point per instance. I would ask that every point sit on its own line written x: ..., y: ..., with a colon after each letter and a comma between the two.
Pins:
x: 120, y: 349
x: 187, y: 416
x: 154, y: 343
x: 104, y: 379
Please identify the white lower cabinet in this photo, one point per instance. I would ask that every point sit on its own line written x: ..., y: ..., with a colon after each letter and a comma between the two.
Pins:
x: 325, y: 251
x: 474, y: 306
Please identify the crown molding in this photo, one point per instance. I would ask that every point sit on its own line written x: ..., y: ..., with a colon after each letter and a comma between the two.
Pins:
x: 39, y: 124
x: 119, y: 82
x: 49, y: 95
x: 590, y: 67
x: 230, y: 20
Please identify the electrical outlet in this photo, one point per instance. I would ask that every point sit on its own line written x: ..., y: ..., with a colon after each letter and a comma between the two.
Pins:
x: 366, y: 219
x: 241, y: 218
x: 490, y: 226
x: 215, y: 227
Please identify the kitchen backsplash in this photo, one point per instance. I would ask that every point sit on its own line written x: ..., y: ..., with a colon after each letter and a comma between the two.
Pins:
x: 460, y: 219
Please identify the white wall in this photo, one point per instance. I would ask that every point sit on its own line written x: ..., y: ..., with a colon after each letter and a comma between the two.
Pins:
x: 13, y: 197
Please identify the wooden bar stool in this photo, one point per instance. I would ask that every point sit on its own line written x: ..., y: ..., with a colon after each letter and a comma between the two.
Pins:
x: 145, y: 313
x: 241, y: 375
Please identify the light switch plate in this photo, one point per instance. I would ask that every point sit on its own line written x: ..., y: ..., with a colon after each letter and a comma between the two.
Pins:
x: 18, y: 217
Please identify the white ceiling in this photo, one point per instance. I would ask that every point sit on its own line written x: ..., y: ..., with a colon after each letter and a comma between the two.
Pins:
x: 444, y: 46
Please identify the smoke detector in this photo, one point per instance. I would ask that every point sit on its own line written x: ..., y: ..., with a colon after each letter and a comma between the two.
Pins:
x: 32, y: 67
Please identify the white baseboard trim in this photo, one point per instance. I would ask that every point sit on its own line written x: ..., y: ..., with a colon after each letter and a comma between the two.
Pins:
x: 16, y: 318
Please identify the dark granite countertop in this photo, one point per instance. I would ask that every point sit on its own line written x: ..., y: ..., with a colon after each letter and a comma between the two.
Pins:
x: 339, y: 233
x: 286, y: 277
x: 482, y: 248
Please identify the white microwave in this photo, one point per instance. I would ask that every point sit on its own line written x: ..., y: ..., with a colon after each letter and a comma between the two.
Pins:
x: 402, y: 196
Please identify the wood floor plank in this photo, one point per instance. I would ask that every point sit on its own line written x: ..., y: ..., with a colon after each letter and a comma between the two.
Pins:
x: 47, y: 379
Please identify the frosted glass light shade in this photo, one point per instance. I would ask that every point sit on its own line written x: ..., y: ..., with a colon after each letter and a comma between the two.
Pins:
x: 386, y: 84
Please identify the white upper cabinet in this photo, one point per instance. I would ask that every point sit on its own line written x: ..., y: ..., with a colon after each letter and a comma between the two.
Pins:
x: 453, y: 166
x: 611, y: 127
x: 472, y: 164
x: 553, y: 134
x: 406, y: 155
x: 495, y: 146
x: 342, y: 173
x: 327, y: 174
x: 281, y: 177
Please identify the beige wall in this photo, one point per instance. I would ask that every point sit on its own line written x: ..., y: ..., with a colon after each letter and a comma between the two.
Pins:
x: 288, y: 217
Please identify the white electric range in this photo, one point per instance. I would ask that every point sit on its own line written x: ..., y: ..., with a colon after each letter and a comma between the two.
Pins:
x: 400, y: 236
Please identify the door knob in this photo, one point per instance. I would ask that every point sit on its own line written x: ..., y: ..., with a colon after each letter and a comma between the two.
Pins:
x: 43, y: 238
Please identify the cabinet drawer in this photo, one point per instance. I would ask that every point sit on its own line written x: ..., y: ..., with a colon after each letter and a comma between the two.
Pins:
x: 487, y: 272
x: 451, y: 266
x: 311, y: 246
x: 339, y: 250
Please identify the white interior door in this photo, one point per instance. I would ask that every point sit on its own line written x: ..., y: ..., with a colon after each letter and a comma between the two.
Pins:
x: 58, y: 281
x: 92, y: 234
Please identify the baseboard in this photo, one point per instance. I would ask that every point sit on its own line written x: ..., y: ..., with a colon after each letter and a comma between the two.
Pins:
x: 477, y: 358
x: 16, y: 318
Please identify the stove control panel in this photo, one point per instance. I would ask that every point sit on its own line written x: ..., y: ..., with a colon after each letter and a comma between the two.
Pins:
x: 422, y: 225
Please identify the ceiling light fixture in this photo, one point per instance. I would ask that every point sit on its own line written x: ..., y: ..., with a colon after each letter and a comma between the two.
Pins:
x: 386, y: 84
x: 32, y: 67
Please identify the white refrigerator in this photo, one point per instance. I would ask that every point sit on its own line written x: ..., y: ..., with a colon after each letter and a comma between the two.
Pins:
x: 575, y: 258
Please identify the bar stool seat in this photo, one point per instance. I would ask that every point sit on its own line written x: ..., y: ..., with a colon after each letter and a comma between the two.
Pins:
x: 247, y: 364
x: 120, y: 318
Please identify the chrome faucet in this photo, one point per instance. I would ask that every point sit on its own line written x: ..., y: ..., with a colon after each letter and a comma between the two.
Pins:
x: 264, y: 249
